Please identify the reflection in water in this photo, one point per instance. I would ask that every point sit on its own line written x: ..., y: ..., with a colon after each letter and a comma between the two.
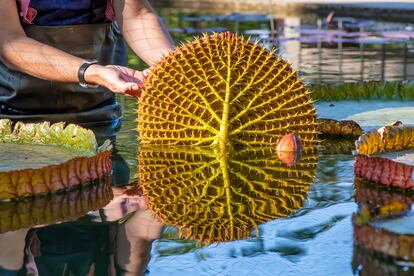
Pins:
x: 95, y: 244
x: 212, y: 197
x: 54, y: 208
x: 336, y: 146
x: 373, y: 244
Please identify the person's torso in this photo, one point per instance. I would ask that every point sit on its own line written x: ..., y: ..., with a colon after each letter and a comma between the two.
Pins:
x: 23, y: 97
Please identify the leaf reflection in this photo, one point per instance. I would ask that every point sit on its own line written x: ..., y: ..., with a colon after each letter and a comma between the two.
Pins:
x: 213, y: 197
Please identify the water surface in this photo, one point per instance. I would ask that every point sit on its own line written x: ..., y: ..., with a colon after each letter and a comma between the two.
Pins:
x: 313, y: 238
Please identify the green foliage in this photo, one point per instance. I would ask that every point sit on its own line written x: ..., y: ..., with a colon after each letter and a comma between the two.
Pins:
x: 367, y: 90
x: 71, y: 136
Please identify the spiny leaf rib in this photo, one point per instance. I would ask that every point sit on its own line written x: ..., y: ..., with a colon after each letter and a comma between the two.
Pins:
x: 222, y: 89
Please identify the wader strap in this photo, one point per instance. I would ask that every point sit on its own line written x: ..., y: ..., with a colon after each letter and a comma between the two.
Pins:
x: 101, y: 9
x: 27, y: 13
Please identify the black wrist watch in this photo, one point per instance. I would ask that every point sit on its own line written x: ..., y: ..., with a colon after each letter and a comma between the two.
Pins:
x: 81, y: 73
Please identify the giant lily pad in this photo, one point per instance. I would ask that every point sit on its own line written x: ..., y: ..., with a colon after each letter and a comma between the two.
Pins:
x: 386, y: 156
x: 214, y: 197
x: 44, y: 158
x: 368, y: 114
x: 224, y: 90
x: 342, y: 128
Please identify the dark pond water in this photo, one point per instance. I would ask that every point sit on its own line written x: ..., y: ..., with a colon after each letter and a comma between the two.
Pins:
x: 306, y: 230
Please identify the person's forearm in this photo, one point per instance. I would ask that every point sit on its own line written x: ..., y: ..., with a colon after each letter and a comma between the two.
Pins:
x: 23, y: 54
x: 29, y: 56
x: 143, y: 30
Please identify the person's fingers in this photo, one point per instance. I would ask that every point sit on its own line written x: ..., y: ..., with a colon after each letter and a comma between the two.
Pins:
x: 146, y: 72
x: 131, y: 89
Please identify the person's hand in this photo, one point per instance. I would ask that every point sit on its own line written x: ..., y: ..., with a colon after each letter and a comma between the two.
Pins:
x: 126, y: 200
x: 118, y: 79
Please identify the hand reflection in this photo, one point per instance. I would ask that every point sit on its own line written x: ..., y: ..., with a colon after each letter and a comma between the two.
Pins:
x: 134, y: 240
x: 12, y: 246
x: 135, y: 236
x: 126, y: 200
x: 86, y: 247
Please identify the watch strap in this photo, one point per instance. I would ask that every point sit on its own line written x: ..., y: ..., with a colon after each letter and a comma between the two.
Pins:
x: 81, y: 73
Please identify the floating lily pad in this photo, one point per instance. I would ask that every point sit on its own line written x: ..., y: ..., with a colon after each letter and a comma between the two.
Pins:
x: 383, y: 116
x: 44, y: 158
x: 337, y: 128
x: 386, y: 156
x: 368, y: 114
x: 32, y: 156
x: 213, y: 197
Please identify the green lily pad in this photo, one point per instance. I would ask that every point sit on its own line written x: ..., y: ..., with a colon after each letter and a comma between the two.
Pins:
x: 43, y: 158
x: 28, y: 156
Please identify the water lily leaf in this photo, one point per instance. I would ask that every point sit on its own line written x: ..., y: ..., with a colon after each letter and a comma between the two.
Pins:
x: 223, y: 89
x: 214, y: 197
x: 43, y: 158
x: 394, y: 137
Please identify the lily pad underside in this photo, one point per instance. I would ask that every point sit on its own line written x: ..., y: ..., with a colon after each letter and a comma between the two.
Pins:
x: 224, y: 90
x: 44, y: 158
x: 211, y: 197
x: 386, y: 156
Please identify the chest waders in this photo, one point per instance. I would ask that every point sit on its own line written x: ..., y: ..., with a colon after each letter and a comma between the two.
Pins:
x: 29, y: 99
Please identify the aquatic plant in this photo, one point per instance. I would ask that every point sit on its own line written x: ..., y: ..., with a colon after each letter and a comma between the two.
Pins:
x: 213, y: 197
x: 393, y: 137
x: 223, y: 90
x: 363, y: 90
x: 376, y: 160
x: 43, y: 158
